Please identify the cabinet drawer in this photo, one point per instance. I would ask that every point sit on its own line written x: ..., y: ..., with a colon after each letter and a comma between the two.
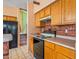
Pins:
x: 49, y: 44
x: 65, y: 51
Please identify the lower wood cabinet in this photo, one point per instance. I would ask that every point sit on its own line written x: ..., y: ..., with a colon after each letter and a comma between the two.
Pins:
x: 61, y: 56
x: 31, y: 44
x: 54, y: 51
x: 65, y: 51
x: 49, y: 53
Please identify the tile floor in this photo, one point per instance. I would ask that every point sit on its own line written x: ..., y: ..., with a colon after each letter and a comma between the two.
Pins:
x: 19, y: 53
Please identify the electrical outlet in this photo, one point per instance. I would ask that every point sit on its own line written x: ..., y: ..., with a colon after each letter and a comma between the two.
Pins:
x: 66, y: 31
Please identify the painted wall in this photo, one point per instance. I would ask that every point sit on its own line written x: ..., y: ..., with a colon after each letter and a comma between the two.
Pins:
x: 10, y: 11
x: 24, y: 21
x: 30, y: 18
x: 43, y: 3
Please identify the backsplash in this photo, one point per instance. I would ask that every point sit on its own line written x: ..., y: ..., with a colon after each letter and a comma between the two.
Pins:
x: 67, y: 30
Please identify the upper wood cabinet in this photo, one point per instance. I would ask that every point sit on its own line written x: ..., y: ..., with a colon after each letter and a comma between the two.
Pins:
x: 56, y: 13
x: 9, y: 18
x: 47, y: 11
x: 41, y: 13
x: 62, y: 12
x: 37, y: 19
x: 68, y: 11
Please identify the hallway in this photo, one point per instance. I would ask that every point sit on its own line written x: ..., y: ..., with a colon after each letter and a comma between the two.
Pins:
x: 19, y: 53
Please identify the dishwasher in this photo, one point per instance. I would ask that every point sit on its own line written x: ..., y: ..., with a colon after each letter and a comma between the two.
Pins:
x: 38, y: 48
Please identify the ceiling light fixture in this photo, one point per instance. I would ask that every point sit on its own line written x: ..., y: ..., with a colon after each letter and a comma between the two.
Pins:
x: 35, y: 2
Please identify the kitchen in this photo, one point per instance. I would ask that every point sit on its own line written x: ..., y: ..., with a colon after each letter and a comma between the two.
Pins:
x: 52, y: 32
x: 48, y: 33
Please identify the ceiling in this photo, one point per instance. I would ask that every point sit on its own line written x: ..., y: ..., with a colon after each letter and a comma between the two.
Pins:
x: 43, y: 3
x: 15, y: 3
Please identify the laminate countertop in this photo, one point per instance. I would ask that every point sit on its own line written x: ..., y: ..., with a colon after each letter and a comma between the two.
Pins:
x: 7, y: 37
x: 63, y: 42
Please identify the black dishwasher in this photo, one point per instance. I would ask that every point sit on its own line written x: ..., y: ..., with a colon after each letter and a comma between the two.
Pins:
x: 38, y: 48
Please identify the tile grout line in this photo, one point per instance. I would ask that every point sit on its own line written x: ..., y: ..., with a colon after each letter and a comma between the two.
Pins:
x: 23, y: 53
x: 17, y: 53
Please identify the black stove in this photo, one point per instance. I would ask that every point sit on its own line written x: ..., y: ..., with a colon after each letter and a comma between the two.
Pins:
x: 38, y: 47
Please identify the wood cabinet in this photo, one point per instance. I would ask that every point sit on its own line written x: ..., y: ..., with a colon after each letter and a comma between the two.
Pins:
x: 54, y: 51
x: 31, y: 44
x: 63, y: 12
x: 41, y: 13
x: 9, y: 18
x: 65, y: 51
x: 56, y: 13
x: 49, y: 51
x: 69, y: 11
x: 60, y: 56
x: 47, y: 11
x: 37, y: 19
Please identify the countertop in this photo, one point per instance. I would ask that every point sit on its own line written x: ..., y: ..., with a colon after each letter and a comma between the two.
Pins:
x: 7, y: 37
x: 63, y: 42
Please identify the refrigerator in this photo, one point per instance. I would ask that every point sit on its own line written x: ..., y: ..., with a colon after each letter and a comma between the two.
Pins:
x: 11, y: 27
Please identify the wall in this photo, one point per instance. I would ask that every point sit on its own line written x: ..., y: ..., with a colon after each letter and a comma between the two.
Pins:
x: 30, y: 18
x: 10, y: 11
x: 43, y: 3
x: 65, y: 30
x: 24, y: 21
x: 31, y: 28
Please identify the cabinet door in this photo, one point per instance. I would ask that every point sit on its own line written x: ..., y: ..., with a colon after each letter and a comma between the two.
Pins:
x: 41, y: 13
x: 31, y: 44
x: 47, y: 11
x: 73, y: 11
x: 60, y: 56
x: 47, y: 54
x: 52, y: 54
x: 56, y: 13
x: 65, y: 51
x: 69, y: 11
x: 37, y: 20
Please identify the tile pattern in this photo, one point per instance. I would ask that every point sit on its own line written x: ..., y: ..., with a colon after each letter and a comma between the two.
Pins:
x: 19, y: 53
x: 6, y: 50
x: 61, y: 30
x: 23, y: 39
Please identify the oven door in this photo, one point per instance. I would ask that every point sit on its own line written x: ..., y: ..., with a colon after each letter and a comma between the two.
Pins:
x: 38, y: 48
